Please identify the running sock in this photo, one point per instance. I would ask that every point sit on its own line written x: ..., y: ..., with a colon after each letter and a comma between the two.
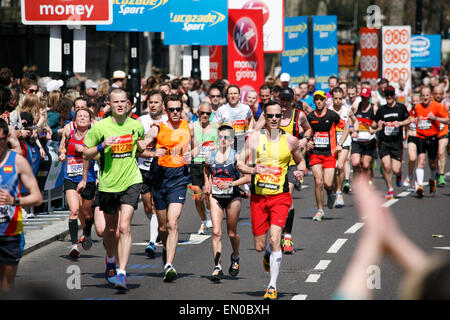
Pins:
x: 88, y: 227
x: 111, y: 260
x: 120, y: 271
x: 153, y: 228
x: 275, y: 262
x: 289, y: 221
x: 217, y: 259
x: 73, y: 230
x: 419, y: 175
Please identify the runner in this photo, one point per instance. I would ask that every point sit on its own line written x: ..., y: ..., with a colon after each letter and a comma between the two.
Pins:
x: 170, y: 177
x: 412, y: 145
x: 14, y: 172
x: 115, y: 138
x: 79, y: 103
x: 205, y: 136
x: 79, y: 192
x: 429, y: 115
x: 221, y: 184
x: 155, y: 105
x: 391, y: 118
x: 346, y: 114
x: 271, y: 149
x: 324, y: 149
x: 364, y: 147
x: 294, y: 122
x: 438, y: 95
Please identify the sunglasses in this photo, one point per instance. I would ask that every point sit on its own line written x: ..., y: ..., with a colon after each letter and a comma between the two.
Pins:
x: 389, y: 93
x: 215, y: 96
x: 271, y: 115
x: 224, y: 137
x: 204, y: 112
x: 32, y: 91
x: 175, y: 109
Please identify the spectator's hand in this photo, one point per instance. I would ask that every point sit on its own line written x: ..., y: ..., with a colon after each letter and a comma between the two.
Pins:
x: 42, y: 152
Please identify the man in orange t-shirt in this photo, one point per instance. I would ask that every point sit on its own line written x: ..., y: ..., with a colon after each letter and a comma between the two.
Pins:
x: 429, y: 115
x: 438, y: 96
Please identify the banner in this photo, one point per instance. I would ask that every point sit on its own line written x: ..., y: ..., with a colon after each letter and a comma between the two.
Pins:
x: 325, y: 49
x: 55, y: 178
x: 245, y: 50
x: 273, y: 18
x: 215, y: 63
x: 138, y: 15
x: 369, y: 54
x: 197, y: 22
x: 346, y: 55
x: 397, y: 54
x: 295, y: 57
x: 426, y: 51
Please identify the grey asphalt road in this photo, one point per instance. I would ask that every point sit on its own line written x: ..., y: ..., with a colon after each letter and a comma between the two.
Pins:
x: 323, y: 250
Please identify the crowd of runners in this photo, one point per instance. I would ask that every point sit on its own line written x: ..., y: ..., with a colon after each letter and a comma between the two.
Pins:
x: 203, y: 138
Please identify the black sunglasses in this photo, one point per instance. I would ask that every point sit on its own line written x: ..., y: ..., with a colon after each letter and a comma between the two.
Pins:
x: 179, y: 109
x: 215, y: 96
x: 225, y: 137
x: 32, y: 91
x: 389, y: 93
x: 204, y: 112
x: 271, y: 115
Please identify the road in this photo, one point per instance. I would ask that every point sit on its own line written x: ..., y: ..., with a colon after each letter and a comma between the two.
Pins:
x: 323, y: 250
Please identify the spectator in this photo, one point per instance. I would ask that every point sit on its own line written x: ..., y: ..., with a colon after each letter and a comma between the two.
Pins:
x: 118, y: 79
x: 57, y: 115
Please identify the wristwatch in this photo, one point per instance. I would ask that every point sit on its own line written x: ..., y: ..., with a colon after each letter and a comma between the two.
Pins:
x: 230, y: 184
x: 16, y: 201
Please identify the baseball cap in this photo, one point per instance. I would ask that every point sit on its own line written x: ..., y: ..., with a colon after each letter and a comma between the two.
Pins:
x: 320, y: 93
x: 54, y: 85
x: 366, y: 92
x: 90, y: 84
x: 119, y: 74
x: 285, y: 77
x: 286, y: 93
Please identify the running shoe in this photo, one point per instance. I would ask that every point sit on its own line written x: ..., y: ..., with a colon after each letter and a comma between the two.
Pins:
x: 319, y: 215
x: 86, y: 242
x: 432, y: 185
x: 208, y: 221
x: 74, y: 253
x: 217, y: 274
x: 234, y: 267
x: 390, y: 194
x: 331, y: 200
x: 150, y: 250
x: 286, y: 245
x: 398, y: 181
x: 110, y: 273
x: 202, y: 229
x: 121, y: 282
x: 419, y: 191
x: 266, y: 261
x: 346, y: 187
x: 406, y: 183
x: 441, y: 181
x: 271, y: 294
x: 339, y: 200
x: 170, y: 274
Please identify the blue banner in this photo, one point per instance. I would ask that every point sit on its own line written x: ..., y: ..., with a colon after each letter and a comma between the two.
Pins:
x: 325, y: 50
x: 197, y: 22
x: 295, y: 57
x: 426, y: 51
x: 138, y: 15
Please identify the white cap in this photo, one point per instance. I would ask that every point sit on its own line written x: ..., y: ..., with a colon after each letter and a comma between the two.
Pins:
x: 285, y: 77
x: 54, y: 85
x: 90, y: 84
x: 119, y: 74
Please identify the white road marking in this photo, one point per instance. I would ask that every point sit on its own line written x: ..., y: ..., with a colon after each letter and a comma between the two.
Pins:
x: 193, y: 239
x: 322, y: 265
x: 442, y: 248
x: 404, y: 194
x: 389, y: 203
x: 299, y: 297
x: 355, y: 227
x: 336, y: 245
x: 313, y: 278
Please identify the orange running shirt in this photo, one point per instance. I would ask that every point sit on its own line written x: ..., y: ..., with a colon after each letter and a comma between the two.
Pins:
x: 176, y: 142
x: 425, y: 126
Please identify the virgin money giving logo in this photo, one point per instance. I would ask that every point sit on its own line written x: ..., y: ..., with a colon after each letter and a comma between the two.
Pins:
x: 245, y: 36
x: 255, y: 4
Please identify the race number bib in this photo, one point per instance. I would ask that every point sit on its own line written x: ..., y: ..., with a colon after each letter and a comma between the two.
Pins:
x: 423, y: 123
x: 270, y: 179
x: 321, y: 140
x: 206, y: 148
x: 74, y: 167
x: 215, y: 190
x: 4, y: 214
x: 390, y: 130
x: 413, y: 126
x: 239, y: 126
x: 122, y: 147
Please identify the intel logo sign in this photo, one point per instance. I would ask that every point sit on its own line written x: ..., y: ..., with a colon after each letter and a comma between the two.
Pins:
x: 420, y: 44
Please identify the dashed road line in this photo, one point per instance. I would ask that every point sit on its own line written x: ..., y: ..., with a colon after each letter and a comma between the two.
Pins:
x: 300, y: 297
x: 355, y: 228
x: 322, y: 265
x: 313, y: 278
x: 336, y: 245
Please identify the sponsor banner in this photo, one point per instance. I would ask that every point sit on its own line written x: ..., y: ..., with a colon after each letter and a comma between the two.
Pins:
x: 368, y: 63
x: 325, y: 49
x: 215, y: 63
x: 346, y: 55
x: 426, y: 51
x: 273, y: 13
x: 245, y: 50
x: 66, y: 12
x: 397, y: 54
x: 295, y: 57
x: 138, y: 15
x: 55, y: 177
x: 197, y: 22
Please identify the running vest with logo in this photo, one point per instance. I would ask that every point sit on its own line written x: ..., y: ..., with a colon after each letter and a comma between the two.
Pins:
x: 205, y: 140
x: 345, y: 109
x: 365, y: 120
x: 11, y: 220
x: 223, y: 171
x: 276, y: 157
x: 74, y: 167
x: 176, y: 142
